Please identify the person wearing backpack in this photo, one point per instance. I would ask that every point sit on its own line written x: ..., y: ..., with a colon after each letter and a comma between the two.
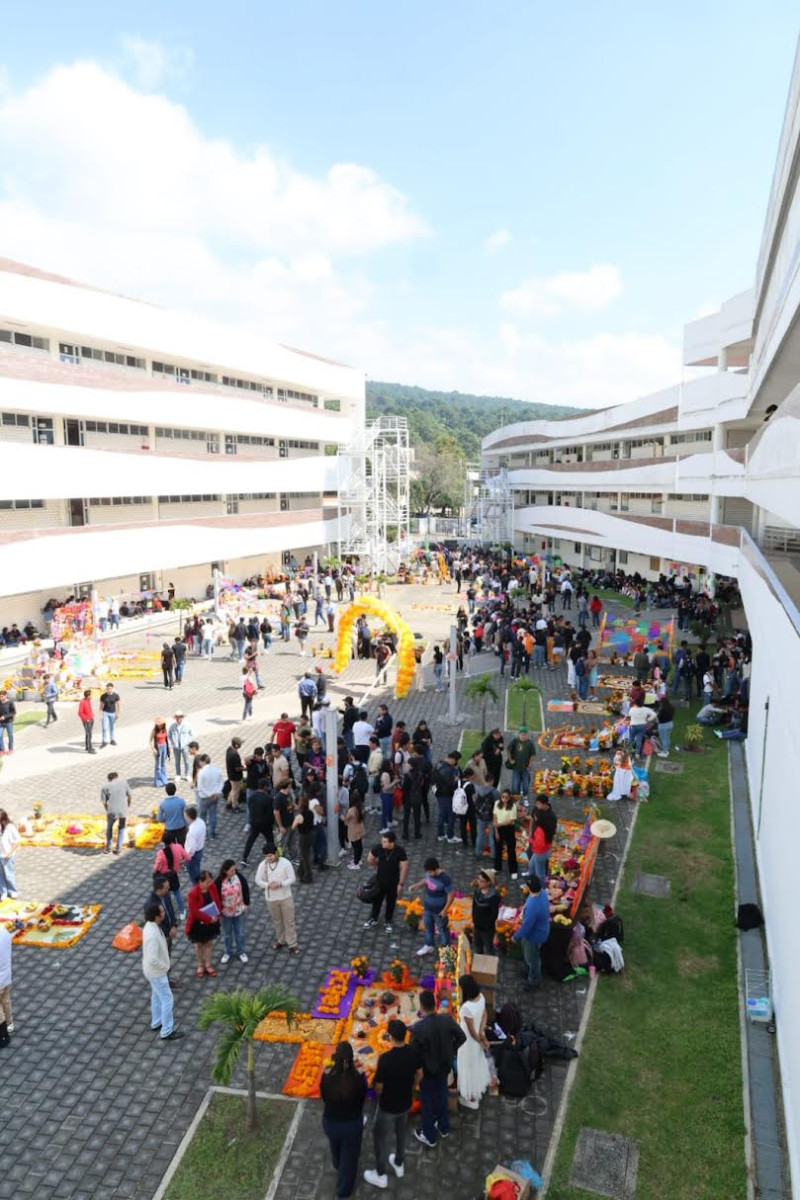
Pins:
x: 446, y: 779
x: 582, y: 676
x: 248, y: 692
x: 438, y: 1039
x: 464, y: 808
x: 484, y: 820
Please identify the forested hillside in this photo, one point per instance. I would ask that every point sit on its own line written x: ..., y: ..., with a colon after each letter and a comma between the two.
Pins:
x: 458, y: 415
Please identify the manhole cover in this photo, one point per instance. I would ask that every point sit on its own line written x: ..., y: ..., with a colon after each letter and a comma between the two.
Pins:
x: 669, y: 768
x: 605, y: 1164
x: 651, y: 885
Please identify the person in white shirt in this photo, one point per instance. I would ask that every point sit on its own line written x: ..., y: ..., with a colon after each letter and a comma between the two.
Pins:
x: 155, y: 967
x: 195, y: 842
x: 6, y: 1016
x: 638, y: 718
x: 209, y: 635
x: 209, y: 793
x: 708, y: 687
x: 276, y: 876
x: 179, y: 735
x: 362, y: 732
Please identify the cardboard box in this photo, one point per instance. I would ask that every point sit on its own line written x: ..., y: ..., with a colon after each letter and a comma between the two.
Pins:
x: 484, y: 970
x: 522, y: 1186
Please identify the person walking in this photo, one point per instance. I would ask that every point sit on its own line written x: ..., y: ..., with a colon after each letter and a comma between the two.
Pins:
x: 234, y: 769
x: 116, y: 800
x: 50, y: 696
x: 437, y: 1038
x: 391, y: 863
x: 485, y: 909
x: 159, y: 744
x: 301, y: 633
x: 194, y: 843
x: 343, y: 1090
x: 307, y: 691
x: 8, y: 712
x: 202, y: 923
x: 261, y: 816
x: 437, y: 888
x: 234, y: 893
x: 504, y: 818
x: 534, y: 931
x: 179, y: 652
x: 9, y: 844
x: 398, y: 1072
x: 180, y: 736
x: 85, y: 716
x: 168, y: 666
x: 6, y: 1014
x: 209, y: 792
x: 275, y: 876
x: 168, y: 862
x: 155, y: 967
x: 110, y: 707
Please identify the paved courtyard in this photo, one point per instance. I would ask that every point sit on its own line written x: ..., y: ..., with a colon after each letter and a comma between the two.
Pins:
x: 93, y: 1107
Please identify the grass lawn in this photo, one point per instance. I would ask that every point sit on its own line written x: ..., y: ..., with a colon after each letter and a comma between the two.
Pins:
x: 661, y: 1061
x: 30, y: 717
x: 606, y: 594
x: 222, y: 1160
x: 531, y: 702
x: 471, y: 740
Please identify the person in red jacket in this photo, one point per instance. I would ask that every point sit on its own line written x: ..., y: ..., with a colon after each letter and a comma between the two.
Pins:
x: 595, y: 608
x: 542, y: 834
x: 202, y: 924
x: 86, y: 716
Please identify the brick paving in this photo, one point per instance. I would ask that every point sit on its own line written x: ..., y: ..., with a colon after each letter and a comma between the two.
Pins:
x: 93, y: 1105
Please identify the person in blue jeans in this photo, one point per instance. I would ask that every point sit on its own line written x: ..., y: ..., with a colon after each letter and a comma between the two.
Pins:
x: 446, y: 778
x: 343, y: 1090
x: 437, y: 895
x: 109, y: 711
x: 437, y: 1037
x: 534, y: 930
x: 8, y: 711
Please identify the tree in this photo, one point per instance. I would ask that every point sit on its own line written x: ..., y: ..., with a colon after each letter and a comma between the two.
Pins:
x: 484, y: 690
x: 526, y: 686
x: 439, y: 476
x: 240, y: 1013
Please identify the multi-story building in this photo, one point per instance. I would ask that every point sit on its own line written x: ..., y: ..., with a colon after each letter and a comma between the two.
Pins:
x: 706, y: 474
x: 141, y: 447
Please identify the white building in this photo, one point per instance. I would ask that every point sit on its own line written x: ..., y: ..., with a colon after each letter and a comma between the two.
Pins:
x: 140, y: 446
x: 708, y: 473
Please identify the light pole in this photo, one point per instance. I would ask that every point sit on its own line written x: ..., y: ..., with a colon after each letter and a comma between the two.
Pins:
x: 331, y: 730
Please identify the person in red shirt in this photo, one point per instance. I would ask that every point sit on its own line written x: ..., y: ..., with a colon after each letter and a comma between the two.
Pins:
x: 542, y: 834
x: 202, y: 928
x: 595, y: 608
x: 86, y: 716
x: 283, y: 731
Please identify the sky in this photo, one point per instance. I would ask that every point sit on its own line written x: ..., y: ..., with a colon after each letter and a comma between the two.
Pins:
x: 525, y: 199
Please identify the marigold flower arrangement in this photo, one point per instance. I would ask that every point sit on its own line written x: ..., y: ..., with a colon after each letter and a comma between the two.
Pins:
x: 332, y: 994
x: 397, y: 969
x: 359, y: 965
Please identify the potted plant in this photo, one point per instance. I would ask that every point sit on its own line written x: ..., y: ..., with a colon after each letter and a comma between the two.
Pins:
x: 693, y: 739
x: 360, y: 965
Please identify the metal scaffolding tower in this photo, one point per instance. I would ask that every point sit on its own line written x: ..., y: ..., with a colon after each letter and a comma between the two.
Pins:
x: 496, y: 508
x: 374, y: 487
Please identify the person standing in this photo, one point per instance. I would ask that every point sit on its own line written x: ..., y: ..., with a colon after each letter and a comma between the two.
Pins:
x: 159, y: 744
x: 155, y: 967
x: 383, y: 730
x: 437, y: 888
x: 595, y: 608
x: 234, y: 893
x: 473, y: 1070
x: 437, y: 1038
x: 545, y: 824
x: 301, y: 633
x: 180, y: 736
x: 179, y: 652
x: 234, y: 769
x: 307, y: 691
x: 398, y: 1072
x: 168, y: 666
x: 85, y: 716
x: 447, y: 780
x: 485, y: 909
x: 109, y: 711
x: 172, y: 815
x: 168, y: 862
x: 194, y: 843
x: 202, y: 924
x: 262, y: 822
x: 362, y: 732
x: 343, y: 1090
x: 283, y: 731
x: 521, y: 752
x: 9, y: 844
x: 50, y: 696
x: 666, y: 716
x: 275, y: 876
x: 504, y: 818
x: 303, y: 824
x: 6, y: 1014
x: 534, y: 931
x: 354, y: 822
x: 116, y: 799
x: 391, y: 862
x: 209, y: 792
x: 349, y: 718
x: 8, y: 712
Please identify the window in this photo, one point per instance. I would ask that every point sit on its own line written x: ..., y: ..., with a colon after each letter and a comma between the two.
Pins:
x: 70, y: 353
x: 700, y: 435
x: 43, y: 431
x: 187, y: 499
x: 247, y: 385
x: 234, y: 440
x: 29, y: 340
x: 117, y: 501
x: 21, y: 505
x: 577, y: 548
x: 333, y: 405
x: 284, y: 505
x: 191, y: 435
x: 146, y: 582
x: 295, y: 445
x: 231, y: 506
x: 16, y: 419
x: 253, y: 496
x: 282, y: 450
x: 203, y: 376
x: 622, y: 558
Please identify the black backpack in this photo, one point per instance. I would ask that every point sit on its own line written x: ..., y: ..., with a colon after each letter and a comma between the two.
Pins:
x: 514, y: 1072
x: 360, y: 778
x: 612, y: 928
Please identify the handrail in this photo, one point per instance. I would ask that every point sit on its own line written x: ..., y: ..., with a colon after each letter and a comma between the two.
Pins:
x: 762, y: 567
x: 374, y: 684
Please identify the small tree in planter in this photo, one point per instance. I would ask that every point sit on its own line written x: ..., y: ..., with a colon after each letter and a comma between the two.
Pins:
x: 525, y: 686
x: 701, y: 631
x: 240, y: 1013
x: 484, y: 690
x: 693, y: 738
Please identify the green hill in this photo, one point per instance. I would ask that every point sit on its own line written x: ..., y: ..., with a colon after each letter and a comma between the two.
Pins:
x: 468, y: 419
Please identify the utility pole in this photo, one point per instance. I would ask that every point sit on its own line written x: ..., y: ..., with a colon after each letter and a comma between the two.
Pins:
x: 331, y: 730
x: 452, y: 658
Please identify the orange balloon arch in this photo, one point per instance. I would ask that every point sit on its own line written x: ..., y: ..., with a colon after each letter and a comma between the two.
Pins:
x: 407, y: 662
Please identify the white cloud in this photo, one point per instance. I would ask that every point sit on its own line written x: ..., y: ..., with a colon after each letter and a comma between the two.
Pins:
x: 152, y: 63
x: 551, y: 295
x: 498, y: 240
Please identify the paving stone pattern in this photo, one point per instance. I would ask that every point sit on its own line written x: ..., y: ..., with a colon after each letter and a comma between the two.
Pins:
x: 94, y: 1105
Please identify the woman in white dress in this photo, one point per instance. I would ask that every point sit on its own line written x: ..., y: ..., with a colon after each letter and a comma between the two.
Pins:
x: 473, y: 1069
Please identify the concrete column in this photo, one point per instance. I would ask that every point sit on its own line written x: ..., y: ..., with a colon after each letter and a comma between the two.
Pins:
x: 717, y: 445
x: 722, y: 359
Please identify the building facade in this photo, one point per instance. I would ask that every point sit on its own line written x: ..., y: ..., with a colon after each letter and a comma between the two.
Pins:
x: 141, y: 447
x: 707, y: 474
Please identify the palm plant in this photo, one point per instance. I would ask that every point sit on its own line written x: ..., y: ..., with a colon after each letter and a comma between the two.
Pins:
x: 484, y: 690
x: 525, y: 686
x: 240, y: 1013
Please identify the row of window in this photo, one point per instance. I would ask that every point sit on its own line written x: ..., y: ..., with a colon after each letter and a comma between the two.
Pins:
x: 253, y: 496
x: 232, y: 440
x: 188, y: 435
x: 19, y: 504
x: 71, y: 353
x: 700, y: 435
x: 15, y: 338
x: 116, y: 427
x: 247, y: 385
x: 187, y: 499
x: 106, y: 501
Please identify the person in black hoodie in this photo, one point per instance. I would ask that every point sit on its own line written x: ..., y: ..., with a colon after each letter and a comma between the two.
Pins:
x: 437, y: 1037
x: 485, y: 907
x: 261, y: 807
